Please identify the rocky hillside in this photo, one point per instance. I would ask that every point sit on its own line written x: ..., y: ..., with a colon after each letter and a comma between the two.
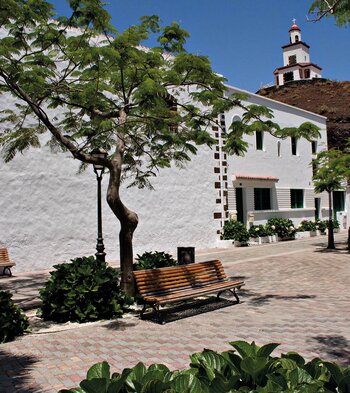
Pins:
x: 322, y: 96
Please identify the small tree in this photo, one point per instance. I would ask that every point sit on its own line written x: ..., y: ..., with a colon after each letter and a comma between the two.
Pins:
x: 331, y: 172
x: 148, y: 107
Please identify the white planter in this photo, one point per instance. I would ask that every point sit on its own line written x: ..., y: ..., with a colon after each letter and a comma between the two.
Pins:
x: 336, y: 230
x: 302, y: 235
x: 224, y: 243
x: 265, y: 239
x: 273, y: 238
x: 255, y: 240
x: 313, y: 233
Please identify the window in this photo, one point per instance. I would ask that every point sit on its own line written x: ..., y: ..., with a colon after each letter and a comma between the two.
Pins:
x: 296, y: 199
x: 288, y: 77
x: 307, y: 73
x: 314, y: 167
x: 279, y: 149
x: 314, y: 147
x: 259, y: 140
x: 293, y: 141
x: 296, y: 38
x: 292, y: 59
x: 262, y: 199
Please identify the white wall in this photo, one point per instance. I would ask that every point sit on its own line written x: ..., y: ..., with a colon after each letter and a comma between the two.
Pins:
x: 49, y: 212
x: 300, y: 51
x: 293, y: 172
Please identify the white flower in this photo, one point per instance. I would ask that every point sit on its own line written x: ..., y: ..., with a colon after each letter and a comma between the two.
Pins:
x: 291, y: 228
x: 273, y: 227
x: 317, y: 226
x: 256, y: 229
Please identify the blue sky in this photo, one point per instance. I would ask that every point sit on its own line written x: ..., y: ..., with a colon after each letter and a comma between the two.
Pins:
x: 243, y: 38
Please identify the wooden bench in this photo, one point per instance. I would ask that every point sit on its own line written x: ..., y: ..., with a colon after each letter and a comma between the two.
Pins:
x: 173, y: 284
x: 5, y: 262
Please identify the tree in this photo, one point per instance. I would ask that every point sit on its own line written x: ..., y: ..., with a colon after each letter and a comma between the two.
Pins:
x: 339, y: 9
x: 148, y: 107
x: 332, y: 170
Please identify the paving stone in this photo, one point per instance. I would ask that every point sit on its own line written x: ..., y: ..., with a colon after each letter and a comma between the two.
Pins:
x: 296, y: 294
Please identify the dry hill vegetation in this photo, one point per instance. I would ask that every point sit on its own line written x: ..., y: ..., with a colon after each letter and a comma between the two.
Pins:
x: 322, y: 96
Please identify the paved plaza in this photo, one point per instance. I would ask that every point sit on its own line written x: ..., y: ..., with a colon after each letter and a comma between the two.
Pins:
x: 297, y: 293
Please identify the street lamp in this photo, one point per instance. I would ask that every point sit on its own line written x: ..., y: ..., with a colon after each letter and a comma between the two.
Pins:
x: 99, y: 170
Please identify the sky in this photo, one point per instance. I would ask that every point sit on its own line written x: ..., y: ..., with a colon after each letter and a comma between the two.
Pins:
x: 242, y: 38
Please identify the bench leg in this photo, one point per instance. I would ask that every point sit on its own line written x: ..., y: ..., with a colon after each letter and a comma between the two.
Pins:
x: 143, y: 310
x: 233, y: 291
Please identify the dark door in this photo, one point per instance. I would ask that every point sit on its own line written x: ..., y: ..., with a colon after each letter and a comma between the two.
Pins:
x: 317, y: 208
x: 338, y: 202
x: 239, y: 204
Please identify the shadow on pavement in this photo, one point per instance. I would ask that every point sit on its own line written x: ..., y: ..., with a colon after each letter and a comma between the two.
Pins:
x: 119, y: 325
x: 256, y: 299
x: 191, y: 308
x: 14, y: 373
x: 337, y: 348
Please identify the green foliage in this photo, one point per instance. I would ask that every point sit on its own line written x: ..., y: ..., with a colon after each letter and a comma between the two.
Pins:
x: 83, y: 290
x: 245, y: 368
x: 335, y: 224
x: 284, y: 227
x: 235, y: 230
x: 259, y: 231
x: 306, y: 225
x: 339, y: 9
x: 321, y: 225
x: 13, y: 322
x: 154, y: 260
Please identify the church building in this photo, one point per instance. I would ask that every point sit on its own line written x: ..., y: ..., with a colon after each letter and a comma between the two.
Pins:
x: 296, y: 60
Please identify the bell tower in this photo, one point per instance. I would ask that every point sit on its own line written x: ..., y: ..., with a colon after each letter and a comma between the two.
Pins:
x: 296, y: 60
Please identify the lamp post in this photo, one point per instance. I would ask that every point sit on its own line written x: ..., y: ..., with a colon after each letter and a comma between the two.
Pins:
x: 99, y: 170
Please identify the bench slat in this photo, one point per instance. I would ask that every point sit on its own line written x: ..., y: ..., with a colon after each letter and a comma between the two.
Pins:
x: 186, y: 294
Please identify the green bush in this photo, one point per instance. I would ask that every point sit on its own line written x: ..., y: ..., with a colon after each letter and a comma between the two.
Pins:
x: 284, y: 227
x: 13, y: 322
x: 306, y: 225
x: 321, y: 225
x: 154, y: 260
x: 245, y: 368
x: 258, y: 231
x: 235, y: 230
x: 336, y: 224
x: 84, y: 290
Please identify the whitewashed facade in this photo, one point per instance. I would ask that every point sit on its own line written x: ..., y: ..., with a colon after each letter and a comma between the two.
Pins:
x: 274, y: 170
x: 49, y: 211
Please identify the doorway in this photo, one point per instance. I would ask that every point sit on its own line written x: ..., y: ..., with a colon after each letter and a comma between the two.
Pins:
x: 239, y: 204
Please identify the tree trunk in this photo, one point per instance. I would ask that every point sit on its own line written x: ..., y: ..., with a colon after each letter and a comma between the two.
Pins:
x: 331, y: 244
x: 128, y: 223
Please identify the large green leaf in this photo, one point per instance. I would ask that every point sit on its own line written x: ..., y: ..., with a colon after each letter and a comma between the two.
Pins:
x: 245, y: 349
x: 298, y: 376
x: 154, y: 386
x: 299, y: 360
x: 187, y: 383
x: 266, y: 350
x: 97, y: 385
x: 344, y: 385
x: 335, y: 370
x: 253, y: 366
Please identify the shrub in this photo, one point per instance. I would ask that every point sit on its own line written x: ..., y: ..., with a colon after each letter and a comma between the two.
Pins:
x: 84, y: 290
x: 284, y: 227
x: 321, y: 225
x: 13, y: 322
x: 154, y: 260
x: 235, y: 230
x: 306, y: 225
x: 246, y: 368
x: 336, y: 224
x: 258, y: 231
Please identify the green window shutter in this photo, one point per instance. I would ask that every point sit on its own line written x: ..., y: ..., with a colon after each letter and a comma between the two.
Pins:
x: 262, y: 199
x: 297, y: 199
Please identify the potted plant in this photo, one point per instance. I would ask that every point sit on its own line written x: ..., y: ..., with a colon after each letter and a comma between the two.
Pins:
x: 321, y: 226
x: 236, y: 231
x: 284, y: 228
x: 259, y: 234
x: 308, y: 226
